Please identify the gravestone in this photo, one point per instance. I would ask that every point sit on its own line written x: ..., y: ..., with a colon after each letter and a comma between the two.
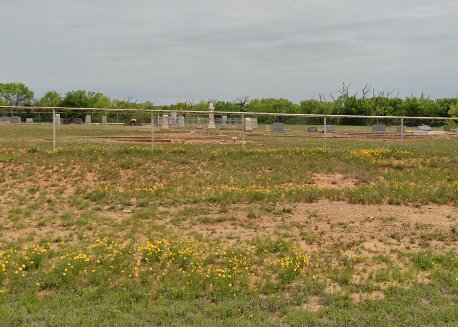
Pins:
x: 29, y: 120
x: 254, y: 123
x: 378, y: 128
x: 57, y: 118
x: 165, y: 122
x: 420, y: 132
x: 456, y: 132
x: 15, y: 119
x: 67, y: 121
x: 211, y: 117
x: 278, y: 128
x: 87, y: 120
x: 248, y: 125
x: 312, y: 129
x: 223, y: 121
x: 5, y: 120
x: 181, y: 122
x: 199, y: 123
x: 78, y: 121
x: 424, y: 128
x: 104, y: 120
x: 267, y: 128
x: 330, y: 129
x: 173, y: 119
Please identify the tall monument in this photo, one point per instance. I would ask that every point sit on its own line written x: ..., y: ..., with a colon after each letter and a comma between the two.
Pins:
x: 211, y: 117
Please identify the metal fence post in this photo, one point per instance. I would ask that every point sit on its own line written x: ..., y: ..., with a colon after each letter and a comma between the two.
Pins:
x: 243, y: 131
x: 54, y: 130
x: 325, y: 132
x: 402, y: 130
x: 152, y: 130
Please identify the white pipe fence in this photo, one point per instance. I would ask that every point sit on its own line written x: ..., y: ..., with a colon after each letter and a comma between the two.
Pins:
x: 205, y: 117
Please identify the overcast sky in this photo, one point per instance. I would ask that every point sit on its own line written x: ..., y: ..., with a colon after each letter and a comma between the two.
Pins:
x: 171, y: 50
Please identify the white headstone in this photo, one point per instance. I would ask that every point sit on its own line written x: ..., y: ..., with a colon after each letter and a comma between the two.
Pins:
x: 248, y: 125
x: 29, y: 120
x: 104, y: 120
x: 181, y: 122
x: 88, y: 121
x: 57, y: 118
x: 165, y: 122
x: 211, y: 117
x: 420, y: 132
x: 199, y: 123
x: 173, y: 119
x: 424, y: 128
x: 223, y: 121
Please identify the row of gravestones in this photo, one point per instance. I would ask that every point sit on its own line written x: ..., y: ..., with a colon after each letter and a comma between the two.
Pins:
x: 174, y: 121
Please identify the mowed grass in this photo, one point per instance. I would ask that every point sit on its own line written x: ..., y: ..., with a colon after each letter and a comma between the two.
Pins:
x: 109, y: 233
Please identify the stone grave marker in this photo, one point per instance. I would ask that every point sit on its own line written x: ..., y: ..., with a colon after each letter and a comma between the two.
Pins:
x: 378, y: 128
x: 15, y: 119
x: 330, y: 129
x: 104, y: 120
x: 248, y: 125
x: 278, y: 128
x: 29, y: 120
x: 254, y: 123
x: 223, y: 121
x: 78, y: 121
x: 67, y: 121
x: 173, y: 119
x: 312, y: 129
x: 211, y: 117
x: 181, y: 122
x: 420, y: 132
x: 87, y: 120
x: 5, y: 120
x: 165, y: 122
x: 424, y: 128
x: 57, y: 118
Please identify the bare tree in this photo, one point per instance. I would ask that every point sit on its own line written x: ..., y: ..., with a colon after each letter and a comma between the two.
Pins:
x: 190, y: 103
x: 365, y: 91
x: 344, y: 90
x: 241, y: 102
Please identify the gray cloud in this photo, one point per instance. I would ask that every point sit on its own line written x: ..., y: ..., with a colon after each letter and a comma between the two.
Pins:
x: 177, y: 49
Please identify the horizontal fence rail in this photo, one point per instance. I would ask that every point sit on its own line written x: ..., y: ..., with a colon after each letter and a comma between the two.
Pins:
x: 240, y: 127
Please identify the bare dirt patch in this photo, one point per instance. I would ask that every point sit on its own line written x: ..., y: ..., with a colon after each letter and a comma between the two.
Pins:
x: 334, y: 181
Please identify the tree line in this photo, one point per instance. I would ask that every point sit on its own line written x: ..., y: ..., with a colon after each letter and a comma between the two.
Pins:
x: 365, y: 102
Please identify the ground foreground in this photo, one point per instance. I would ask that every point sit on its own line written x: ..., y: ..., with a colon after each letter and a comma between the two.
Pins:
x: 280, y: 234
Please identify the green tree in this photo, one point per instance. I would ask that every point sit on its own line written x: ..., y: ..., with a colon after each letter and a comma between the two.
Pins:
x: 86, y: 99
x: 50, y: 99
x: 453, y: 112
x: 15, y: 94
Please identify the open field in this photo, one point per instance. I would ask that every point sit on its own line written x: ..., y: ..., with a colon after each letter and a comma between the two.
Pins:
x: 284, y: 233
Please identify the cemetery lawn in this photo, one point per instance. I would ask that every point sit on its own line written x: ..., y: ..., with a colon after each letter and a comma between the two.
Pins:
x: 283, y: 233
